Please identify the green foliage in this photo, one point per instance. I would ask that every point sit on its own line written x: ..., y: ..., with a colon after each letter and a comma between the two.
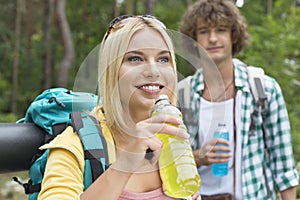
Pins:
x: 88, y: 21
x: 170, y: 12
x: 8, y: 117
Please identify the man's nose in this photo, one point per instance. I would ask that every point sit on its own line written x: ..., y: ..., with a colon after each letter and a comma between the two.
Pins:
x: 213, y: 36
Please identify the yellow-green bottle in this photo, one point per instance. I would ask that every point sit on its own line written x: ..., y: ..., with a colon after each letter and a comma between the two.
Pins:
x: 177, y: 166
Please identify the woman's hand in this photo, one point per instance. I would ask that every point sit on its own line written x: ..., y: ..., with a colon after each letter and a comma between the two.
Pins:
x: 141, y: 140
x: 208, y: 155
x: 196, y: 196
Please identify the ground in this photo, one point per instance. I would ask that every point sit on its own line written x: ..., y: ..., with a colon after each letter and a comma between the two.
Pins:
x: 10, y: 190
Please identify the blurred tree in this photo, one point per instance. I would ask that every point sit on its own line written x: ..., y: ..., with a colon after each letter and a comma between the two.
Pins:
x: 19, y: 9
x: 127, y: 7
x: 48, y: 66
x: 117, y: 8
x: 67, y: 40
x: 149, y: 7
x: 29, y: 21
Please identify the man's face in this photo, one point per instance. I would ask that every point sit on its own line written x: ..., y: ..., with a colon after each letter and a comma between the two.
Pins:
x: 216, y: 40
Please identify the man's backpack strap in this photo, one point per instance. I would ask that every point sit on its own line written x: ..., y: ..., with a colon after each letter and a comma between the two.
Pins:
x: 94, y: 144
x: 184, y: 96
x: 184, y: 92
x: 255, y: 77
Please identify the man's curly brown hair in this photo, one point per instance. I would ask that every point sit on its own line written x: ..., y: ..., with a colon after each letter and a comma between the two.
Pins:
x: 216, y: 12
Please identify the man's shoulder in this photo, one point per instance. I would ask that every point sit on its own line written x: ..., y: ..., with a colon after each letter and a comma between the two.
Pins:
x: 245, y: 70
x: 183, y: 83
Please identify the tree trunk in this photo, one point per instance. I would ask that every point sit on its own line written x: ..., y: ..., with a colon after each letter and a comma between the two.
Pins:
x: 135, y: 7
x: 28, y: 35
x: 29, y: 22
x: 127, y: 7
x: 269, y: 6
x: 116, y: 8
x: 48, y: 72
x: 14, y: 91
x: 67, y: 43
x: 149, y: 7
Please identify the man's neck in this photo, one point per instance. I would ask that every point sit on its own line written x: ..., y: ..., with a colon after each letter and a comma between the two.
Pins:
x: 219, y: 81
x: 226, y: 69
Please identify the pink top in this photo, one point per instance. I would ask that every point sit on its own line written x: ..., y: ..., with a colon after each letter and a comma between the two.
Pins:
x: 152, y: 195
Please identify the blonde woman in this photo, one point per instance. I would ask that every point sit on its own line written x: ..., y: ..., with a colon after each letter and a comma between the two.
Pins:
x: 136, y: 65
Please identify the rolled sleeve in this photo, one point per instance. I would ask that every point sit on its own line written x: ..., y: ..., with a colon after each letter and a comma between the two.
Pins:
x: 63, y: 178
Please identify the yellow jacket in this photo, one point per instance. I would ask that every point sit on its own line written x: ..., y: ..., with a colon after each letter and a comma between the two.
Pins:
x: 63, y: 178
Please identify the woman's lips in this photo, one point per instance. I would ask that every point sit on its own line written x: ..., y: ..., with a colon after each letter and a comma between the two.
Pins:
x: 150, y: 88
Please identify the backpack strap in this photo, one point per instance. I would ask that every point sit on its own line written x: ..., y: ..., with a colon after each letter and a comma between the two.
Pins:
x: 256, y: 74
x: 184, y: 96
x: 255, y: 77
x: 94, y: 144
x: 184, y: 92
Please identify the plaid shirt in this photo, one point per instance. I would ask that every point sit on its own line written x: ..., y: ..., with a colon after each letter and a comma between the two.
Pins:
x: 280, y: 169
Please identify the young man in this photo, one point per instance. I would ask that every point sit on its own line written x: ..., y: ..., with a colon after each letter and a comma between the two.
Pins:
x: 220, y: 30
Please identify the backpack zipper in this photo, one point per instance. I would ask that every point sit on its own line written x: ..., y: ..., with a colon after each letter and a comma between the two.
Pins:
x: 58, y: 102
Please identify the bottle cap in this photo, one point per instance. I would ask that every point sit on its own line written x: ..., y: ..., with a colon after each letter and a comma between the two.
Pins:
x: 162, y: 97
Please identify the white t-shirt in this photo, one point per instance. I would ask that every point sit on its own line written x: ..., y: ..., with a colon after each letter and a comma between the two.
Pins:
x: 211, y: 114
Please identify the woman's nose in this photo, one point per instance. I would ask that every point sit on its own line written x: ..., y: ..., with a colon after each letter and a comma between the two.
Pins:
x: 151, y: 70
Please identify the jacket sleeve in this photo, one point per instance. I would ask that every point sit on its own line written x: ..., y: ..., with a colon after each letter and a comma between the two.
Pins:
x: 279, y: 141
x: 63, y: 178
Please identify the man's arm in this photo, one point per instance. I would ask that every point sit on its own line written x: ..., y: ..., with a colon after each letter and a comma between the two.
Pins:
x: 289, y: 194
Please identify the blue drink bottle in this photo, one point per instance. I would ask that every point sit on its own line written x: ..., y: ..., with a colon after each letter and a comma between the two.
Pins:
x: 220, y: 169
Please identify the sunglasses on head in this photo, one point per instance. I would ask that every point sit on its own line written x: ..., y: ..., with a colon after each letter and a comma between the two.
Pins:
x: 122, y: 20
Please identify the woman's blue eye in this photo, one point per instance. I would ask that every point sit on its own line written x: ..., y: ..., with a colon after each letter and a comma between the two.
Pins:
x: 164, y: 59
x: 135, y: 59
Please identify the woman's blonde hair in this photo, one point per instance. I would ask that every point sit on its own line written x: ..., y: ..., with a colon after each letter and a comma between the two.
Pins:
x: 111, y: 54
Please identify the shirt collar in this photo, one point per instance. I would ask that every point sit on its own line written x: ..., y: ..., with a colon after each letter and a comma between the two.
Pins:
x: 240, y: 78
x: 241, y: 75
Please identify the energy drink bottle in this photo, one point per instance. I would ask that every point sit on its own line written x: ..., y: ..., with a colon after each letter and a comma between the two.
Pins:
x: 220, y: 169
x: 177, y: 166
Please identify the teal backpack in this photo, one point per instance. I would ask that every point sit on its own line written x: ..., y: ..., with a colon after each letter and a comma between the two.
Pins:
x: 54, y: 110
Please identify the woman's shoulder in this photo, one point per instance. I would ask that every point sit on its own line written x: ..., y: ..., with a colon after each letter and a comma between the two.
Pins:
x: 67, y: 140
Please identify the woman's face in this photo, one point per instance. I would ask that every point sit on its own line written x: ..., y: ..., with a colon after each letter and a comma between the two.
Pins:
x: 145, y: 73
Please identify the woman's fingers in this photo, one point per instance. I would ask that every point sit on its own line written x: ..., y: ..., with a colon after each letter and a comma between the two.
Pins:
x: 166, y: 124
x: 143, y: 145
x: 162, y: 118
x: 196, y: 196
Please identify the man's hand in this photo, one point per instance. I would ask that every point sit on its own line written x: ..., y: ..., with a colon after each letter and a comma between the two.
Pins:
x: 208, y: 154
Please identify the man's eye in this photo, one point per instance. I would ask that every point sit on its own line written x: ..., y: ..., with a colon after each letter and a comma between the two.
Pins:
x: 164, y: 59
x: 202, y: 31
x: 223, y: 29
x: 135, y: 59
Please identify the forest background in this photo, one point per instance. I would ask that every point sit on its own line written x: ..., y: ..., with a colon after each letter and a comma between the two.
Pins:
x: 44, y: 42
